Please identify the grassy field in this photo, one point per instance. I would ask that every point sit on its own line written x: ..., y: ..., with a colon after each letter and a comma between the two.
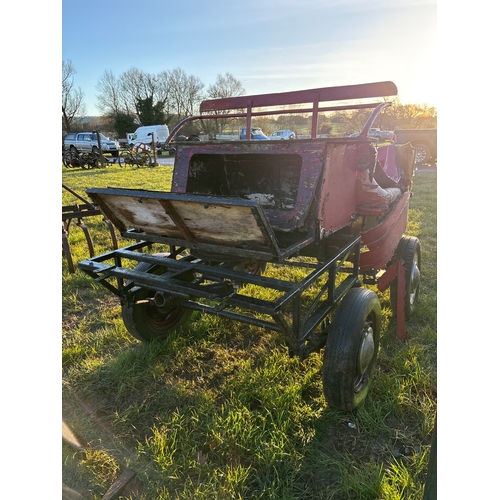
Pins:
x: 220, y: 411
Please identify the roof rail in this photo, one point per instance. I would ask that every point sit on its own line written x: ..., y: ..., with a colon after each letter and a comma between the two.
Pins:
x: 313, y: 96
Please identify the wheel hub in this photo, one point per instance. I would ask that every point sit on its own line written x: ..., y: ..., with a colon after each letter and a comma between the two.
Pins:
x: 366, y: 350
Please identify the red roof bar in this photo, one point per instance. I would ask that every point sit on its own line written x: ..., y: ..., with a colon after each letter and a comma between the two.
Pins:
x: 314, y: 96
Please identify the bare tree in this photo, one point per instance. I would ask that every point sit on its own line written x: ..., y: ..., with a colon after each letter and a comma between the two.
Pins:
x: 172, y: 91
x: 126, y: 94
x: 224, y: 86
x: 110, y: 99
x: 72, y: 98
x: 184, y: 93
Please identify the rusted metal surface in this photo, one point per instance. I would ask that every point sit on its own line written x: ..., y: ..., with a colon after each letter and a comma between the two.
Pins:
x: 383, y: 239
x: 396, y: 271
x: 285, y: 175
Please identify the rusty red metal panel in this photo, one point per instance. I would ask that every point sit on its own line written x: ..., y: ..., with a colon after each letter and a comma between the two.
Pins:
x: 360, y: 91
x: 312, y: 153
x: 397, y: 272
x: 383, y: 239
x: 337, y: 199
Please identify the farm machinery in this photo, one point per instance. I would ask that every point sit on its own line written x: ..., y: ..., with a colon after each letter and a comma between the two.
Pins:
x: 336, y: 208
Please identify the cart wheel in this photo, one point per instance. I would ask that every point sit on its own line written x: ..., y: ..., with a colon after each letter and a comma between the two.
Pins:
x: 84, y: 161
x: 409, y: 249
x: 146, y: 321
x: 68, y: 156
x: 125, y: 159
x: 143, y: 159
x: 351, y: 349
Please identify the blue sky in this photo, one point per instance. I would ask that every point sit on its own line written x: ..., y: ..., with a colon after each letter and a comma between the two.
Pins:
x: 270, y: 46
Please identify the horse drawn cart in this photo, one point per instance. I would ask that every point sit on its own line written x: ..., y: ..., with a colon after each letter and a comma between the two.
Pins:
x: 337, y: 208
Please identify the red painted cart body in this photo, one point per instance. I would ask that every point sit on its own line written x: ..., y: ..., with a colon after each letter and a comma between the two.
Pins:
x: 335, y: 206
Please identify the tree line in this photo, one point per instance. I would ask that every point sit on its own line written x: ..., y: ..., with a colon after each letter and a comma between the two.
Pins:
x: 137, y: 98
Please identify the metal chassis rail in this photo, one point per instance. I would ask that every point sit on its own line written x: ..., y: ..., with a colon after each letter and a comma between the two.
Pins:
x: 218, y: 286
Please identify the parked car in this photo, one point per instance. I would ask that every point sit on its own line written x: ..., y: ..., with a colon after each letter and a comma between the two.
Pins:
x: 282, y: 135
x: 83, y: 142
x: 380, y: 135
x: 143, y: 134
x: 256, y: 134
x: 423, y: 140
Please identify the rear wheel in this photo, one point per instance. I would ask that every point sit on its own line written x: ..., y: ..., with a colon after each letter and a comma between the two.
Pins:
x: 145, y: 320
x: 351, y: 349
x: 422, y: 154
x: 409, y: 250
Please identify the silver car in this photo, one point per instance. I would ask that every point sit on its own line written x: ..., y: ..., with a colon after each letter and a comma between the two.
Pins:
x: 87, y: 142
x: 282, y: 135
x: 380, y: 135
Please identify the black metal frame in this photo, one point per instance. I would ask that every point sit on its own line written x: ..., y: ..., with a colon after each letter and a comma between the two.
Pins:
x: 219, y: 285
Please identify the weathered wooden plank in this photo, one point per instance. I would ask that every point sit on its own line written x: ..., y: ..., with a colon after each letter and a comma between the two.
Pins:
x: 118, y: 485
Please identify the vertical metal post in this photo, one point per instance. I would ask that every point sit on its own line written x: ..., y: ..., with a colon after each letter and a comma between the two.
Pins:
x: 314, y: 123
x: 249, y: 121
x: 154, y: 148
x: 101, y: 158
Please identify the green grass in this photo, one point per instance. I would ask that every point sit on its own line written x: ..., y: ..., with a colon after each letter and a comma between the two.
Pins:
x: 220, y: 411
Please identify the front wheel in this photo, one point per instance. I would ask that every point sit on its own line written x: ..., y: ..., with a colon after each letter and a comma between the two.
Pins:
x: 351, y: 349
x: 145, y: 320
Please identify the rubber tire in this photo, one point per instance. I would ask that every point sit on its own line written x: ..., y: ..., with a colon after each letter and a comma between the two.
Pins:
x: 423, y: 153
x: 144, y: 321
x: 409, y: 250
x: 344, y: 386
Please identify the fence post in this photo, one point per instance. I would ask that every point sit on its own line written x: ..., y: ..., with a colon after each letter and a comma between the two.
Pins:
x: 152, y: 134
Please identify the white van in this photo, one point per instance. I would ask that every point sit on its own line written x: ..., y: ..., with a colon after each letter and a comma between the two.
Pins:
x: 161, y: 133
